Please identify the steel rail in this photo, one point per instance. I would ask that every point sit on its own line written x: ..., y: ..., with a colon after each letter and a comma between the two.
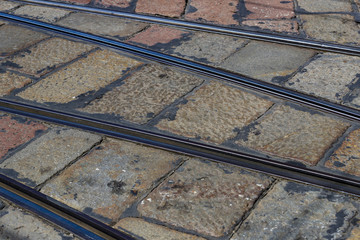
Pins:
x: 269, y: 37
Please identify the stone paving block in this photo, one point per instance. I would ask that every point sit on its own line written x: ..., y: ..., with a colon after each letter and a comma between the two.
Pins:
x: 336, y: 28
x: 347, y: 157
x: 40, y: 13
x: 265, y: 61
x: 167, y: 8
x: 15, y: 131
x: 221, y: 12
x: 13, y: 38
x: 325, y: 5
x: 114, y: 3
x: 46, y: 56
x: 110, y: 178
x: 7, y: 5
x: 329, y: 76
x: 290, y: 26
x: 97, y: 70
x: 47, y: 154
x: 295, y: 211
x: 145, y: 93
x: 214, y: 111
x: 10, y: 81
x: 204, y: 197
x: 269, y: 9
x: 150, y: 231
x: 102, y: 25
x: 82, y: 2
x: 294, y: 134
x: 2, y: 23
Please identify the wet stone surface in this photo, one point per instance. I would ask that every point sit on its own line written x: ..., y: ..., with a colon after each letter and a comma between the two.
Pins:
x: 44, y: 14
x: 117, y: 172
x: 295, y: 211
x: 294, y: 134
x: 172, y: 8
x: 10, y: 81
x: 325, y: 5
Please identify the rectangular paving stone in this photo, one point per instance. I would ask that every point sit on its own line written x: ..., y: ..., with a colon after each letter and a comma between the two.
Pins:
x: 289, y: 26
x: 295, y: 211
x: 13, y: 38
x: 47, y: 154
x: 213, y: 112
x: 145, y: 93
x: 266, y: 61
x: 294, y: 134
x: 97, y: 70
x: 172, y: 8
x: 114, y: 3
x: 325, y: 6
x: 269, y: 9
x: 7, y: 5
x: 111, y: 177
x: 45, y: 14
x: 149, y: 231
x: 204, y: 197
x: 47, y: 55
x: 10, y: 81
x: 82, y: 2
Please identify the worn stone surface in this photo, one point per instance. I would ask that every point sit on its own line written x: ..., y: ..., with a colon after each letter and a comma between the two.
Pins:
x: 46, y: 56
x: 10, y: 81
x: 347, y: 157
x: 289, y: 26
x: 75, y: 1
x: 7, y: 5
x: 44, y: 14
x: 214, y: 111
x: 167, y: 8
x: 295, y: 211
x: 336, y: 28
x: 325, y: 6
x: 97, y: 70
x: 267, y: 60
x: 13, y: 38
x: 102, y: 25
x: 111, y: 177
x: 221, y: 12
x: 47, y: 154
x: 205, y: 197
x: 330, y: 76
x: 355, y: 232
x: 114, y: 3
x: 15, y: 131
x: 145, y: 93
x: 294, y: 134
x: 269, y: 9
x: 149, y: 231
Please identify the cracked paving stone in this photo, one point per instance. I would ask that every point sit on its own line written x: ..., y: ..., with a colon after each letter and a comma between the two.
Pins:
x: 204, y: 197
x: 114, y: 3
x: 15, y: 131
x: 167, y: 8
x: 325, y: 5
x: 144, y: 94
x: 40, y: 13
x: 13, y: 38
x: 10, y: 81
x: 267, y: 61
x: 149, y: 231
x: 102, y: 25
x: 269, y: 9
x: 46, y: 155
x: 214, y: 111
x: 7, y: 5
x: 289, y: 26
x: 329, y: 76
x: 111, y: 177
x: 294, y: 134
x: 45, y: 56
x: 295, y: 211
x: 97, y: 70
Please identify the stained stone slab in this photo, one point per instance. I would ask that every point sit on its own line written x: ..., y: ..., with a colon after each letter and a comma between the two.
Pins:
x: 145, y: 93
x: 325, y: 5
x: 204, y: 197
x: 286, y: 25
x: 295, y: 211
x: 269, y: 9
x: 7, y: 5
x: 40, y: 13
x: 214, y: 111
x: 97, y: 70
x: 114, y: 3
x: 172, y: 8
x: 294, y: 134
x: 111, y: 177
x: 10, y: 81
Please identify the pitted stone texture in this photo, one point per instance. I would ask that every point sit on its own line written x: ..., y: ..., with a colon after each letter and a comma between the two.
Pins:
x: 114, y: 3
x: 150, y: 231
x: 341, y: 29
x: 214, y: 111
x: 347, y: 157
x: 10, y: 81
x: 82, y: 2
x: 97, y: 70
x: 295, y: 211
x: 7, y: 5
x: 289, y: 26
x: 267, y: 60
x: 221, y: 12
x: 44, y: 14
x: 145, y: 93
x: 110, y: 178
x: 2, y: 23
x: 325, y: 5
x: 13, y: 38
x: 15, y: 131
x: 167, y: 8
x: 47, y: 154
x: 329, y: 76
x: 355, y: 232
x: 269, y: 9
x: 102, y: 25
x: 204, y: 197
x: 46, y: 56
x: 294, y: 134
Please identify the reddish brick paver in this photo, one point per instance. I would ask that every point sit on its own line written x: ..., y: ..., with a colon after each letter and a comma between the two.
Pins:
x: 114, y: 3
x: 167, y: 8
x: 269, y: 9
